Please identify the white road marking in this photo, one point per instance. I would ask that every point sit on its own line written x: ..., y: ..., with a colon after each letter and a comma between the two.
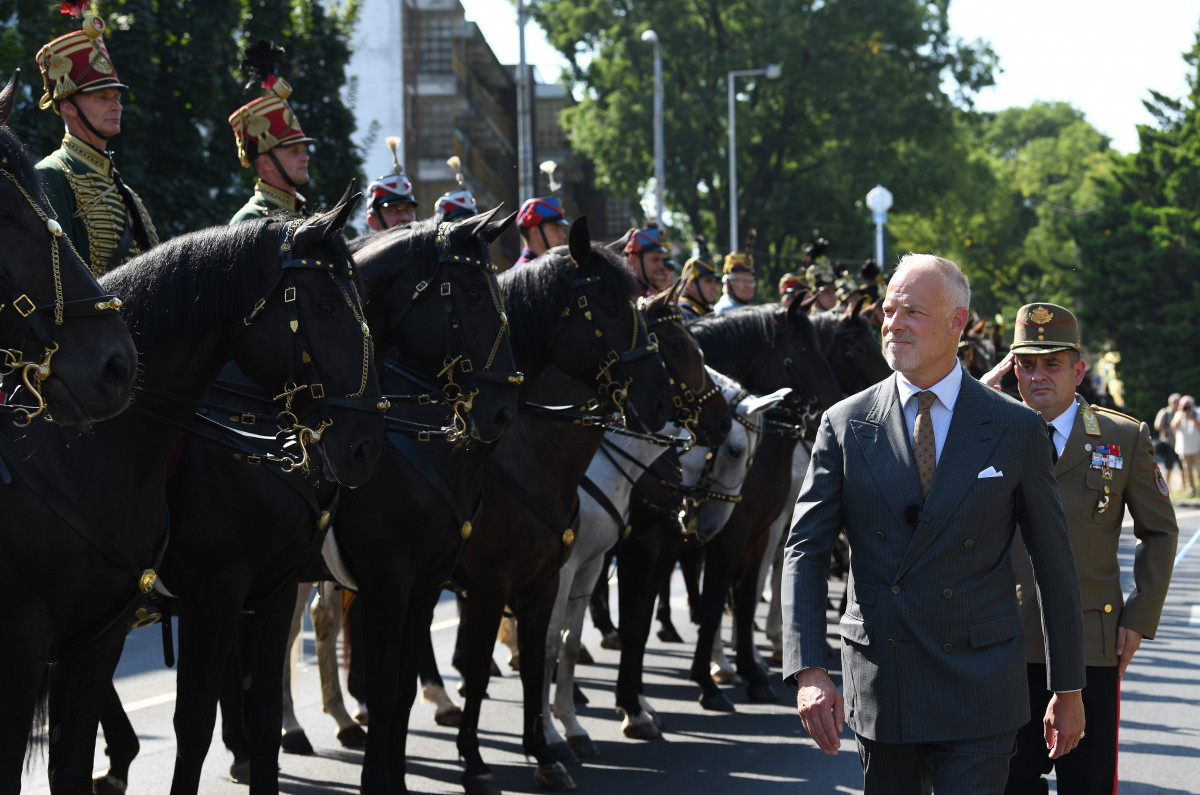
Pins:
x: 1194, y: 621
x: 153, y: 701
x: 1187, y: 547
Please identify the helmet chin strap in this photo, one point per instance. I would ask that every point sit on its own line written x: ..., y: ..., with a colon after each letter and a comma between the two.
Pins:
x: 545, y: 245
x: 283, y: 173
x: 91, y: 128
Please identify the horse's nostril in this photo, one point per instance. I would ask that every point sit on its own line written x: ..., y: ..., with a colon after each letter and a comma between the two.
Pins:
x: 117, y: 371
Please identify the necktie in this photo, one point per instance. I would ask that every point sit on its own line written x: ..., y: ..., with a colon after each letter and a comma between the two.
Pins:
x: 924, y: 447
x: 1053, y: 443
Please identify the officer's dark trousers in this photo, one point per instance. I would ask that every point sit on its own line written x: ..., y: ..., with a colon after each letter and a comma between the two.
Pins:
x: 1090, y: 769
x: 961, y: 767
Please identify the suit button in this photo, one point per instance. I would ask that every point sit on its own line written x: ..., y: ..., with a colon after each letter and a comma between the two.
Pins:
x: 970, y: 542
x: 895, y: 589
x: 1108, y: 608
x: 891, y: 644
x: 947, y: 593
x: 879, y: 535
x: 947, y: 647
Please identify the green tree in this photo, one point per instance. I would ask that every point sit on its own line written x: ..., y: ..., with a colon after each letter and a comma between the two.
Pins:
x: 1141, y: 254
x: 180, y: 61
x: 860, y: 101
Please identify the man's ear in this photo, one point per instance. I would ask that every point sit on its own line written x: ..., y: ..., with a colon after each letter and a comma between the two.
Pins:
x: 958, y: 321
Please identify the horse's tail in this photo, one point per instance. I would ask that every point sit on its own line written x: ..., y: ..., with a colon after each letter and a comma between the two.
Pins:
x: 41, y: 715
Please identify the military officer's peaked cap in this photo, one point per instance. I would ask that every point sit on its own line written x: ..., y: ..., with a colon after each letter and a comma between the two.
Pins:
x: 1045, y: 328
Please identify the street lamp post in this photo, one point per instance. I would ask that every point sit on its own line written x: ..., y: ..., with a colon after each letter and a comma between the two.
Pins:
x: 652, y: 37
x: 772, y: 71
x: 525, y: 184
x: 879, y: 201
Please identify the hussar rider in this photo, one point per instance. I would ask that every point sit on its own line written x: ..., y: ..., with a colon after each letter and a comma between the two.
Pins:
x: 458, y: 203
x: 269, y: 139
x: 103, y: 218
x: 390, y: 199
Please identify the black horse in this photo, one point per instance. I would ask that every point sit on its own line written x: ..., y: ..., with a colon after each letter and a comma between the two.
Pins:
x: 61, y: 337
x: 243, y: 536
x: 277, y: 297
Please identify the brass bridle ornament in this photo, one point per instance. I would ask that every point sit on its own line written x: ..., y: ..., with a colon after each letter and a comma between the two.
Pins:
x: 12, y: 360
x: 291, y: 420
x: 687, y: 404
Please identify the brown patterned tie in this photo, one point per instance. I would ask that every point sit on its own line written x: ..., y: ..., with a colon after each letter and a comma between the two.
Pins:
x: 924, y: 447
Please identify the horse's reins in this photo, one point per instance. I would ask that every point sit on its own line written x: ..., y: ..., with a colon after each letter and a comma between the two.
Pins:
x: 686, y: 402
x: 12, y: 360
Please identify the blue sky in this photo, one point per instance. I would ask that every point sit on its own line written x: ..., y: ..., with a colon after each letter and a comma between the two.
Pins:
x: 1102, y: 56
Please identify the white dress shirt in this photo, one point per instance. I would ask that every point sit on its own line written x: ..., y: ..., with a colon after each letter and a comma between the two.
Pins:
x: 1061, y: 427
x: 942, y: 410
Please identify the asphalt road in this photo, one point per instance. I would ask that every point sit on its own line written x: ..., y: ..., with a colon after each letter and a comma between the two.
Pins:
x: 760, y: 749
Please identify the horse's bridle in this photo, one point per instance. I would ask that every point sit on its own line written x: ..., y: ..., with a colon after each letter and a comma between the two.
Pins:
x: 290, y: 419
x: 804, y: 416
x: 839, y: 343
x: 460, y: 400
x: 686, y: 402
x: 12, y: 360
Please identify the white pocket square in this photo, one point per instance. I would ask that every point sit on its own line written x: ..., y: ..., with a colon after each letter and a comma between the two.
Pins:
x: 991, y: 472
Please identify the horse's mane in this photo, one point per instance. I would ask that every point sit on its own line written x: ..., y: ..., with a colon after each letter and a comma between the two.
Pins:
x: 192, y: 279
x: 18, y: 162
x: 554, y: 274
x: 415, y: 231
x: 738, y: 331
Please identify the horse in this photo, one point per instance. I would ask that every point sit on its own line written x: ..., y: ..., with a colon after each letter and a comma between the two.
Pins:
x: 530, y: 506
x: 976, y: 351
x: 62, y: 338
x: 276, y: 296
x: 604, y: 497
x: 244, y: 535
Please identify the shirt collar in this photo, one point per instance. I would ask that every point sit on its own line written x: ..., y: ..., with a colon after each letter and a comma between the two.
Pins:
x: 1064, y: 422
x: 946, y: 390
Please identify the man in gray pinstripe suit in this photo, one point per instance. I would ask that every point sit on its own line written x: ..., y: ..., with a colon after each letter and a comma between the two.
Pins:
x: 933, y: 655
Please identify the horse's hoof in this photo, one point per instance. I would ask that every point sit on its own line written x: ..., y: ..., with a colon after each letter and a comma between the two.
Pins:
x: 239, y: 772
x: 610, y: 640
x: 583, y: 746
x: 641, y: 730
x: 494, y: 670
x: 563, y: 753
x: 579, y: 697
x: 361, y: 716
x: 724, y: 676
x: 448, y: 717
x: 480, y: 784
x: 717, y: 703
x: 514, y: 662
x: 761, y: 694
x: 585, y: 656
x: 296, y: 742
x: 668, y: 634
x: 109, y: 785
x: 352, y: 737
x: 554, y: 777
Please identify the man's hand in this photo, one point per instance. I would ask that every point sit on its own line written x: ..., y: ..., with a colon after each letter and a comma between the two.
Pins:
x: 821, y: 708
x: 992, y: 377
x: 1064, y: 723
x: 1128, y: 642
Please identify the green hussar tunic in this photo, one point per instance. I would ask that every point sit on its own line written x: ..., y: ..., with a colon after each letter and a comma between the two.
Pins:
x: 268, y: 200
x: 93, y: 209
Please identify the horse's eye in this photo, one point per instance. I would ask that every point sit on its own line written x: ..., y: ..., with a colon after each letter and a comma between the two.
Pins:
x: 327, y: 308
x: 473, y: 295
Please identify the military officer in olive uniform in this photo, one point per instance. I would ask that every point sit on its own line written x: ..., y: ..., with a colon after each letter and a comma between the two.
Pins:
x: 1105, y: 465
x: 269, y: 138
x: 103, y: 218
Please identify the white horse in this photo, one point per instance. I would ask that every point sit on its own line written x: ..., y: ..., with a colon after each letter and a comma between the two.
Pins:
x: 614, y: 471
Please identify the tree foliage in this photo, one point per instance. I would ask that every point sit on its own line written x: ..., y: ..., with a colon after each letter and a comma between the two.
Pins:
x: 861, y: 101
x: 1141, y: 254
x: 180, y: 61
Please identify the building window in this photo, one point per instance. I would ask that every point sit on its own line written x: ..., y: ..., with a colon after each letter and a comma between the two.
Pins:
x: 435, y: 128
x: 433, y: 36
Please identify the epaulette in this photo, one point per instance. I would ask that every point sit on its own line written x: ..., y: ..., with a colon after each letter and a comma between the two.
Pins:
x: 1116, y: 413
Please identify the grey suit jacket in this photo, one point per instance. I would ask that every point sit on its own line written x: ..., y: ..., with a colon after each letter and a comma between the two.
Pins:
x: 932, y: 646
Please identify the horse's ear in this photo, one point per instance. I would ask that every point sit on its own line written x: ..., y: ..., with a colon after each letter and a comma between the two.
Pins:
x: 7, y: 95
x: 330, y: 222
x: 800, y: 307
x: 579, y: 241
x: 853, y: 307
x: 977, y: 329
x: 488, y: 228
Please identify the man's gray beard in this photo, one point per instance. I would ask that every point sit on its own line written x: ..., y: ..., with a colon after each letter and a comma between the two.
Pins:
x: 902, y: 362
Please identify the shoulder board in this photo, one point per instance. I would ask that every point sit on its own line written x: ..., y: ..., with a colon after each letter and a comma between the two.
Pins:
x: 1116, y: 413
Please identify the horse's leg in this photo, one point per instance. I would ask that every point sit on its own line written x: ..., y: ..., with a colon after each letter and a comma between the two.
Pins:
x: 508, y: 636
x: 379, y: 611
x: 79, y: 685
x: 23, y: 671
x: 121, y: 745
x: 667, y: 632
x: 478, y: 622
x: 433, y: 689
x: 719, y: 668
x: 718, y: 562
x: 601, y: 613
x: 576, y: 601
x: 356, y: 676
x: 774, y: 629
x: 207, y: 672
x: 642, y: 564
x: 746, y: 593
x: 294, y: 739
x: 552, y: 662
x: 691, y: 564
x: 326, y: 614
x: 536, y: 608
x: 263, y: 645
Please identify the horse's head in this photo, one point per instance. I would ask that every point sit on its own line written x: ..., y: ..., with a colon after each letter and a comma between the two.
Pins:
x: 61, y: 337
x: 698, y: 403
x: 433, y: 294
x: 853, y: 352
x: 308, y: 334
x: 797, y: 362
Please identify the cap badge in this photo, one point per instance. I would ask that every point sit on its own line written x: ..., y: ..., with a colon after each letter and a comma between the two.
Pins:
x: 1041, y: 315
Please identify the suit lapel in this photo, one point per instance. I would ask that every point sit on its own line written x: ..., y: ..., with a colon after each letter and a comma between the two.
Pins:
x: 890, y: 463
x: 968, y: 447
x: 1074, y: 453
